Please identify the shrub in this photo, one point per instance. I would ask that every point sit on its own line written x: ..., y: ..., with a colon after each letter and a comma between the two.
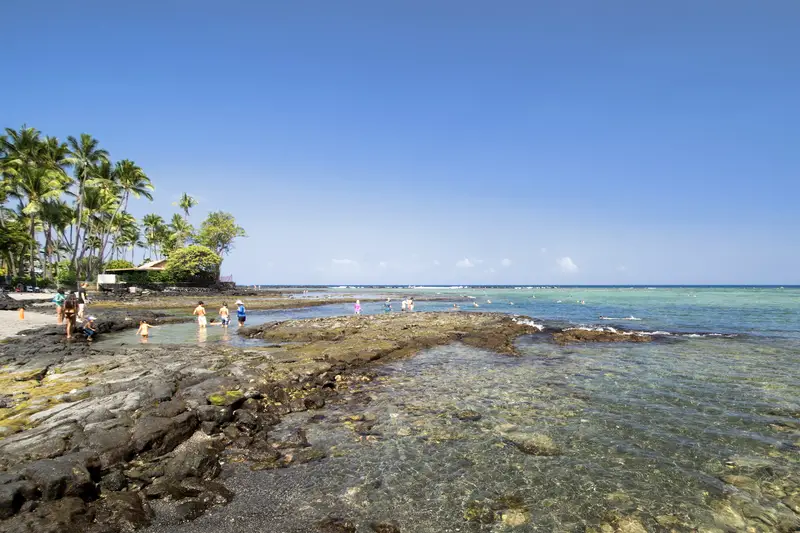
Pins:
x: 193, y: 264
x: 118, y: 263
x: 65, y: 273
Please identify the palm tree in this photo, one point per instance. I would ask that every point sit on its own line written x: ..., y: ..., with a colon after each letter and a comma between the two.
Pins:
x: 100, y: 205
x: 35, y: 185
x: 32, y: 167
x: 126, y: 179
x: 186, y: 202
x: 181, y: 229
x: 132, y: 181
x: 152, y: 225
x: 56, y: 215
x: 84, y: 156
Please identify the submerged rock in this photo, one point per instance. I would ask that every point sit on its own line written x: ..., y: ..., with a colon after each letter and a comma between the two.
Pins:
x: 385, y: 527
x: 468, y: 416
x: 574, y: 335
x: 534, y: 444
x: 336, y: 525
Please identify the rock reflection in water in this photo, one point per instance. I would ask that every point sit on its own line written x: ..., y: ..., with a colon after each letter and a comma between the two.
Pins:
x: 631, y: 438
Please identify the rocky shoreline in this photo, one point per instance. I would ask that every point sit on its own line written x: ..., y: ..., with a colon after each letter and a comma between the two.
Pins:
x: 89, y: 436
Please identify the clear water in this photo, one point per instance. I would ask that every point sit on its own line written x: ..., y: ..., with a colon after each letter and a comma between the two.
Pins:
x: 646, y: 430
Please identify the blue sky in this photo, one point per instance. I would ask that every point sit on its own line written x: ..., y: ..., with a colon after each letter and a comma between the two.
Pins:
x: 443, y: 141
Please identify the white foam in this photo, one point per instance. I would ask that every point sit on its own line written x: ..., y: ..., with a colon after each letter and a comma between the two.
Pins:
x: 528, y: 322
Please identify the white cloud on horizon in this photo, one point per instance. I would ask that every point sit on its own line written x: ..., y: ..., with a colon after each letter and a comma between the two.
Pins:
x: 344, y: 262
x: 491, y: 271
x: 506, y: 262
x: 465, y: 263
x: 567, y: 265
x: 622, y: 268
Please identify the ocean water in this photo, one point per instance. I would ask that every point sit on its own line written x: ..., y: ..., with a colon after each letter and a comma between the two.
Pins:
x: 697, y: 431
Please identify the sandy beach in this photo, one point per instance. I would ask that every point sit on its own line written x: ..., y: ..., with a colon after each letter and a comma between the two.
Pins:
x: 10, y: 324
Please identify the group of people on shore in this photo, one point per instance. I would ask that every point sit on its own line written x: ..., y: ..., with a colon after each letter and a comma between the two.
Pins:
x: 71, y: 311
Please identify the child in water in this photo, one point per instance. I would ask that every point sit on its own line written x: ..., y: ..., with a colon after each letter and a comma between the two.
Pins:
x: 357, y: 307
x: 224, y: 315
x: 144, y: 329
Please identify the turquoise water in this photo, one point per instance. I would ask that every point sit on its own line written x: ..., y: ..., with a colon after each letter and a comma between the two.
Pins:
x: 698, y: 431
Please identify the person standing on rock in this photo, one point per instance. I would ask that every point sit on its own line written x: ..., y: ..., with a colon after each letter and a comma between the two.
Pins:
x: 82, y: 300
x: 59, y: 299
x: 200, y: 312
x: 241, y: 312
x: 70, y: 312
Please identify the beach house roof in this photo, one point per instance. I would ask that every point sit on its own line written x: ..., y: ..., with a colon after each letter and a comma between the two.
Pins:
x: 152, y: 266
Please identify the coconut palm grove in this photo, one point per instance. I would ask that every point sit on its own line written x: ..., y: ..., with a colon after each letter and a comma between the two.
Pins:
x: 64, y: 216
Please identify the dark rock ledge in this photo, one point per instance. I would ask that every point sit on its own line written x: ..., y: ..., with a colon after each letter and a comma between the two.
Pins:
x: 89, y: 435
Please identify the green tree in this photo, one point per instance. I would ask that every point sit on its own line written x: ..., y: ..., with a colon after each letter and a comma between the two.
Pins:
x: 85, y: 156
x: 56, y: 216
x: 14, y: 240
x: 118, y: 263
x: 153, y: 228
x: 32, y: 165
x: 219, y: 231
x: 186, y: 202
x: 132, y: 181
x: 193, y: 263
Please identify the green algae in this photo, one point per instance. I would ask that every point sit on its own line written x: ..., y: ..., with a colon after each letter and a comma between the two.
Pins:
x: 225, y: 398
x: 33, y: 396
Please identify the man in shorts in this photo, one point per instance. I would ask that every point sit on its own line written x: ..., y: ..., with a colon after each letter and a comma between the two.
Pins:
x: 200, y: 312
x: 241, y: 312
x: 224, y: 315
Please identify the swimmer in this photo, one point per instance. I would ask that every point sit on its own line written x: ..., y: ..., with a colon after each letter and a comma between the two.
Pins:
x: 144, y: 329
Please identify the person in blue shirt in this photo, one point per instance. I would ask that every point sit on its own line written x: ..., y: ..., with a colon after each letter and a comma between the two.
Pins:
x: 241, y: 312
x: 59, y: 300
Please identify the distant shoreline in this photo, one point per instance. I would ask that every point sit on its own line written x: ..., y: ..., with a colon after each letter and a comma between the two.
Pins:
x: 444, y: 286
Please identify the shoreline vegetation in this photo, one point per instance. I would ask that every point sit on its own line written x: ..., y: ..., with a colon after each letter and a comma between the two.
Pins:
x: 64, y: 217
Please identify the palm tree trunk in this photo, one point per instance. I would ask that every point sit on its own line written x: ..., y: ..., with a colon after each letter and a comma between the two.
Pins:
x: 75, y: 261
x: 47, y: 250
x: 33, y: 250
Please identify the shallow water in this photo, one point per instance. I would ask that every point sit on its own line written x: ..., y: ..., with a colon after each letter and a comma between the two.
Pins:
x: 645, y: 430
